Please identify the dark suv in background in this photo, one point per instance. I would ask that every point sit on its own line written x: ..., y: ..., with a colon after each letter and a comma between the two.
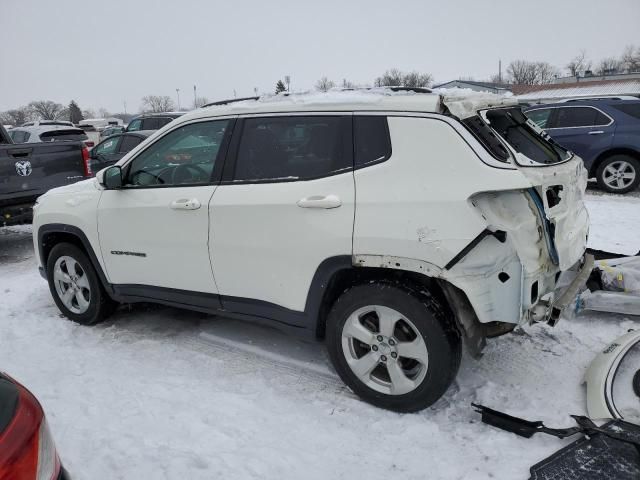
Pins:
x: 605, y: 132
x: 152, y: 121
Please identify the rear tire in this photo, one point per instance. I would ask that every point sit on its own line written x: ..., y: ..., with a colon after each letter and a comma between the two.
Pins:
x: 393, y: 346
x: 618, y: 174
x: 75, y: 286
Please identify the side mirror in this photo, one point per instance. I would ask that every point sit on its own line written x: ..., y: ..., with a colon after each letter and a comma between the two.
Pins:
x: 112, y: 178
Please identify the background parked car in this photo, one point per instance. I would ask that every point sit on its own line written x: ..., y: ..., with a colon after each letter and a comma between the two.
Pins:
x: 605, y: 132
x: 108, y: 131
x: 49, y: 133
x: 112, y: 149
x: 152, y: 121
x: 27, y: 449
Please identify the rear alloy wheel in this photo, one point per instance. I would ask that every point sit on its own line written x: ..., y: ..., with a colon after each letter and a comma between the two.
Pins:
x: 75, y: 286
x: 619, y: 174
x: 391, y: 346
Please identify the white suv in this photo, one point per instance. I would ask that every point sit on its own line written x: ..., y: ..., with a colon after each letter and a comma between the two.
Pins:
x: 394, y: 224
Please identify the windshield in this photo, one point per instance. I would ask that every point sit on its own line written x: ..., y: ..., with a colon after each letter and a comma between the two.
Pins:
x: 514, y: 127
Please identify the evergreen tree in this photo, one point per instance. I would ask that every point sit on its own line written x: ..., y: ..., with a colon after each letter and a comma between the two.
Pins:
x: 75, y: 114
x: 280, y: 87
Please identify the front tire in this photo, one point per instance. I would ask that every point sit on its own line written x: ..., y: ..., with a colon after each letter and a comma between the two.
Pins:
x: 618, y: 174
x: 75, y: 286
x: 393, y: 346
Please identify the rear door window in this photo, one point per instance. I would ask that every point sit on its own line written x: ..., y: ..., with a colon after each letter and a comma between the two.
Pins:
x: 150, y: 124
x: 128, y: 142
x: 293, y: 148
x: 571, y: 117
x: 511, y: 124
x: 540, y: 117
x: 371, y: 140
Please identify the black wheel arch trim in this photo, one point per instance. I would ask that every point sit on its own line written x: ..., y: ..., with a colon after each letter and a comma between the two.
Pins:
x: 50, y: 228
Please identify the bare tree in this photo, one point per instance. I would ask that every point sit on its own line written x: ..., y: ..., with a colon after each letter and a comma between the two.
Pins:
x: 524, y: 72
x: 546, y: 73
x: 324, y: 84
x: 390, y: 78
x: 157, y: 104
x: 396, y: 78
x: 17, y: 116
x: 609, y: 65
x: 415, y: 79
x: 200, y: 102
x: 103, y: 113
x: 88, y: 113
x: 347, y: 84
x: 47, y: 110
x: 631, y: 59
x: 579, y: 64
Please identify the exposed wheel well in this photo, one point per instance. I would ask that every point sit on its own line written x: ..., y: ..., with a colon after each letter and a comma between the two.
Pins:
x: 614, y: 151
x: 346, y: 278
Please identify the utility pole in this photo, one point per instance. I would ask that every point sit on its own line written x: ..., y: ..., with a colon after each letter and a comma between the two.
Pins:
x: 500, y: 70
x: 287, y: 80
x: 195, y: 98
x: 178, y: 94
x: 125, y: 106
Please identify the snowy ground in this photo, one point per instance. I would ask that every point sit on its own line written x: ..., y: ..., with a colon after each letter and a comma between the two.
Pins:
x: 161, y: 393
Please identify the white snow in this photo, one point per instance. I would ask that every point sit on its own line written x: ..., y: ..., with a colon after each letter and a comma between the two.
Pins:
x: 615, y: 223
x: 162, y: 393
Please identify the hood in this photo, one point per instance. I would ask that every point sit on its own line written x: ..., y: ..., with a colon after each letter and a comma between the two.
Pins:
x: 89, y: 184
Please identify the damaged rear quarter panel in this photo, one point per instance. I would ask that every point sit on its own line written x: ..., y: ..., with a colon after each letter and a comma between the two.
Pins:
x: 434, y: 196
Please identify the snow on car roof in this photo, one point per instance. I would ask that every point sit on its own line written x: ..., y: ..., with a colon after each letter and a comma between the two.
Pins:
x: 461, y: 102
x: 333, y: 100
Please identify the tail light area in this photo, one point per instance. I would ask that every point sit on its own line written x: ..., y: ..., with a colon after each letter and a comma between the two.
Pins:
x: 27, y: 450
x: 86, y: 162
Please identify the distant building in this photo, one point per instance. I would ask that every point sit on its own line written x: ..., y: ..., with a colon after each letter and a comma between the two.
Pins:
x: 476, y: 86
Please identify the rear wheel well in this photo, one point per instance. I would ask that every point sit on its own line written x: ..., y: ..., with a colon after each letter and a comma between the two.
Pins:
x: 609, y: 153
x: 347, y: 278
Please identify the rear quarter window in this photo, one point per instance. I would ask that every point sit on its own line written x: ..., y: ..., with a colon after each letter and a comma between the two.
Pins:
x: 631, y: 109
x: 372, y: 143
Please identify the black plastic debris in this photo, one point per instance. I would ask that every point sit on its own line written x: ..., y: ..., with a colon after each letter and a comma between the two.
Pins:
x: 610, y: 452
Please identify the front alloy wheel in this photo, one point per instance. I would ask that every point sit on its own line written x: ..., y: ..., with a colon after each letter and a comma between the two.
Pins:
x: 72, y: 284
x: 75, y: 286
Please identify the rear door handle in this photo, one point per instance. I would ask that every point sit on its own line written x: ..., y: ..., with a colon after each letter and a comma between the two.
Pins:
x: 185, y: 204
x: 596, y: 132
x: 320, y: 201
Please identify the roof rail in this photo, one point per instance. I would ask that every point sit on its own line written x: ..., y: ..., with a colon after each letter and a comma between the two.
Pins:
x: 227, y: 102
x: 600, y: 97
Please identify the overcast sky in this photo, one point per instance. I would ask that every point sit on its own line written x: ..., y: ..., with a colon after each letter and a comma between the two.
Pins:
x: 105, y: 53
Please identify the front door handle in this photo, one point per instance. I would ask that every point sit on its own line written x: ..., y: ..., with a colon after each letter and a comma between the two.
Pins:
x: 320, y: 201
x: 186, y: 204
x: 596, y: 132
